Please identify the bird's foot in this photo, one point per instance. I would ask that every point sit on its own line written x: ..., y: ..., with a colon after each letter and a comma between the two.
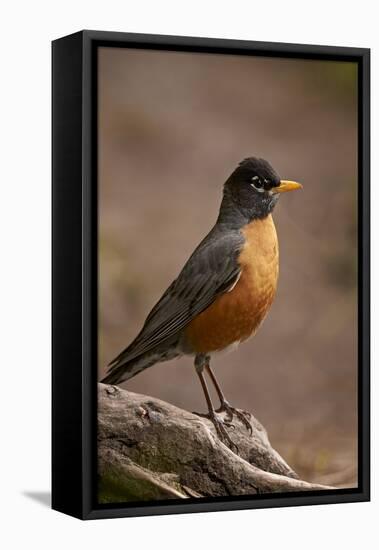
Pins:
x: 221, y: 431
x: 243, y: 416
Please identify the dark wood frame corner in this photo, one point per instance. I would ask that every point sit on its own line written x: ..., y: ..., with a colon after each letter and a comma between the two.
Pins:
x: 74, y: 273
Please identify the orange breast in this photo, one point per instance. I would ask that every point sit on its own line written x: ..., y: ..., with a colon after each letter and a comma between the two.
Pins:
x: 236, y: 315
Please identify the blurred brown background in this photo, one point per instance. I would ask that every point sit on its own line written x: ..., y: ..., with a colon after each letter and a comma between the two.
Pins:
x: 173, y: 126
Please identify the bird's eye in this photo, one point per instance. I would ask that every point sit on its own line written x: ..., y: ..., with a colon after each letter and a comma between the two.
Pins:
x: 257, y: 183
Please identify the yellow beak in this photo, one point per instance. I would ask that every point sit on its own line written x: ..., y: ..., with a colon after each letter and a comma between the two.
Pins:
x: 286, y: 185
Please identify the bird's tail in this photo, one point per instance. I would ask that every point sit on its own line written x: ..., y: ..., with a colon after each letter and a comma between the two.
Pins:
x: 121, y: 370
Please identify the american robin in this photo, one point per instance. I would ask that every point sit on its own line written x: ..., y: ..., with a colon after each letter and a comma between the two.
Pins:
x: 223, y: 292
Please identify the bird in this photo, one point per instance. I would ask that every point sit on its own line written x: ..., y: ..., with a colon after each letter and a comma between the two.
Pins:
x: 222, y: 294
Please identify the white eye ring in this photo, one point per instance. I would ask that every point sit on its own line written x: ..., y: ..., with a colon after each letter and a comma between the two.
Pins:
x: 259, y: 189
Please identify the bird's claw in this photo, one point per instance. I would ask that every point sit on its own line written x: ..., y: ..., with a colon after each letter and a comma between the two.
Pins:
x: 243, y: 416
x: 221, y: 431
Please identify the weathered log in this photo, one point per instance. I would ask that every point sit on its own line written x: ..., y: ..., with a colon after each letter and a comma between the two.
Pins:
x: 149, y: 449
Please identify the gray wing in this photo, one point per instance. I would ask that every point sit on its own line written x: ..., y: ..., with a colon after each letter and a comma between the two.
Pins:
x: 211, y: 270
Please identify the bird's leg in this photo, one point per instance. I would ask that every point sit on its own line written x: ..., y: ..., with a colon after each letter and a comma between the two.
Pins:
x: 200, y: 361
x: 244, y: 416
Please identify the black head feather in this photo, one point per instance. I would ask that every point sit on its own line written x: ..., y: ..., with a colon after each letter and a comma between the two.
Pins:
x: 255, y: 169
x: 248, y: 191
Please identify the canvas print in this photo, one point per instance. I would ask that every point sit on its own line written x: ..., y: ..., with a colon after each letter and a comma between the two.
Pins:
x: 227, y: 271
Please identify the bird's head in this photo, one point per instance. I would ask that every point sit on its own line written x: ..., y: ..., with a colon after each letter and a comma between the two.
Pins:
x: 254, y: 187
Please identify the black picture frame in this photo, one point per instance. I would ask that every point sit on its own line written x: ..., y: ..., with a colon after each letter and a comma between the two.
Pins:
x: 74, y: 272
